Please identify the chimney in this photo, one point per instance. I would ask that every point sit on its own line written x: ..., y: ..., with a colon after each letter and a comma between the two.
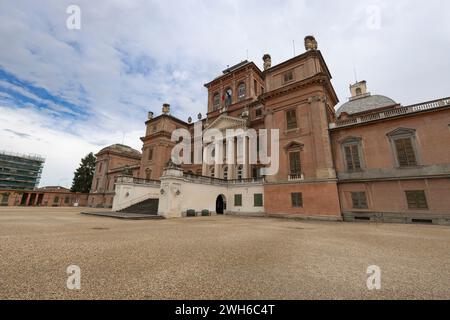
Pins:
x: 150, y: 115
x: 166, y: 108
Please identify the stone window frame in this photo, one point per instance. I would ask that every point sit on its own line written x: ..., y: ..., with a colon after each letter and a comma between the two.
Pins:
x: 402, y: 133
x: 257, y: 109
x: 241, y: 96
x: 256, y: 198
x: 297, y: 202
x: 215, y: 105
x: 286, y: 114
x: 294, y: 146
x: 148, y: 174
x: 236, y: 198
x: 288, y: 76
x: 352, y: 141
x: 360, y: 204
x: 150, y: 154
x: 409, y: 194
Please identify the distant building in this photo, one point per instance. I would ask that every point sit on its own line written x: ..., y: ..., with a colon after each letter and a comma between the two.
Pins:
x: 20, y: 172
x: 53, y: 196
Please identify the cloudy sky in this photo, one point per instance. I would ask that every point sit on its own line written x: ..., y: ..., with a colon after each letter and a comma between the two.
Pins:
x: 65, y: 93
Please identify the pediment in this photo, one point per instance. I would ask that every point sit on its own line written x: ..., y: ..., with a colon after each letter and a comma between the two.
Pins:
x: 226, y: 122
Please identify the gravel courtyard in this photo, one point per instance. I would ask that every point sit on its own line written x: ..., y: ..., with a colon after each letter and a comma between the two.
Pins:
x: 216, y: 258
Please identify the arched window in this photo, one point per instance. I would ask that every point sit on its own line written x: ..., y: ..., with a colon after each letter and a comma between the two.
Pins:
x: 216, y: 101
x: 240, y: 171
x: 212, y: 172
x: 358, y: 91
x: 228, y: 96
x: 241, y: 91
x: 225, y: 173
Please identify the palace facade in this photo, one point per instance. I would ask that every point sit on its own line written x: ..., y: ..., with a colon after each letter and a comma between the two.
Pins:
x: 371, y: 159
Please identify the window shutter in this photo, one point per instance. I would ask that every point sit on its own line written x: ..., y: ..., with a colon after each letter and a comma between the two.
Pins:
x: 348, y: 157
x: 294, y: 162
x: 258, y: 199
x: 405, y: 152
x: 355, y: 157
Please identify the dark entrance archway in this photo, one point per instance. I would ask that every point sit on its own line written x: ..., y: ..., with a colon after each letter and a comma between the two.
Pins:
x: 221, y: 204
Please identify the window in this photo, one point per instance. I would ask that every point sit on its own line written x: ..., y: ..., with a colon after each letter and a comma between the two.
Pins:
x: 403, y: 142
x: 288, y: 76
x: 405, y: 152
x: 258, y: 112
x: 148, y: 174
x: 297, y: 200
x: 56, y: 199
x: 100, y: 165
x: 96, y: 184
x: 255, y: 85
x: 5, y: 198
x: 359, y: 200
x: 416, y: 200
x: 238, y: 200
x: 154, y: 128
x: 294, y: 163
x: 228, y: 97
x: 66, y: 200
x: 150, y: 154
x: 241, y: 91
x: 212, y: 173
x: 240, y: 170
x: 258, y: 199
x: 216, y: 101
x: 352, y: 159
x: 291, y: 119
x: 358, y: 91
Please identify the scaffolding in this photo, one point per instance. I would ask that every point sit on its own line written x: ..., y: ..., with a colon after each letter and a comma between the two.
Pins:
x: 19, y: 171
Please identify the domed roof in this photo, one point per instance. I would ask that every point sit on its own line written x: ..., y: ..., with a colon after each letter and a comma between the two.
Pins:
x: 122, y: 149
x: 366, y: 103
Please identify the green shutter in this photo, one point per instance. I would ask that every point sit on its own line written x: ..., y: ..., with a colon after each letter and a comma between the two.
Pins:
x: 258, y: 199
x: 238, y: 200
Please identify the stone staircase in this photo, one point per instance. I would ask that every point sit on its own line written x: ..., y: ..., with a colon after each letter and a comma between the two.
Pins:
x: 148, y: 207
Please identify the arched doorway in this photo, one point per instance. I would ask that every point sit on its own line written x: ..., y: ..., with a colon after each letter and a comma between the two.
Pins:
x: 221, y: 204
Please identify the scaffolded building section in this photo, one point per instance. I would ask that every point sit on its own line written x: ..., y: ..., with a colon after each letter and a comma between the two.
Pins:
x: 20, y: 172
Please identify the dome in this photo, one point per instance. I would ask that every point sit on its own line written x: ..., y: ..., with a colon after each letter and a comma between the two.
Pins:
x: 121, y: 149
x: 367, y: 103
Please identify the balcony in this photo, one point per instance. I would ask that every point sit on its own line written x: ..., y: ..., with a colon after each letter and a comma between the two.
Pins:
x: 296, y: 177
x: 391, y: 113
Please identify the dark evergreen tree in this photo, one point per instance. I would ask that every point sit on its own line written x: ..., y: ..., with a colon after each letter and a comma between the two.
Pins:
x: 82, y: 180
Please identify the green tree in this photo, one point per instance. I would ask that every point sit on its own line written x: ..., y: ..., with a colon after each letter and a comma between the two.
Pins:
x: 82, y: 180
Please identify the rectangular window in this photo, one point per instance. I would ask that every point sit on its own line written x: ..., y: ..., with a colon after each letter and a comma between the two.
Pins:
x: 55, y: 199
x: 405, y: 152
x: 255, y: 84
x: 294, y: 163
x: 258, y: 112
x: 150, y: 154
x: 359, y: 200
x: 416, y: 199
x: 238, y: 200
x: 258, y: 199
x: 297, y: 200
x: 66, y: 200
x: 352, y: 158
x: 288, y: 76
x: 291, y: 119
x: 100, y: 167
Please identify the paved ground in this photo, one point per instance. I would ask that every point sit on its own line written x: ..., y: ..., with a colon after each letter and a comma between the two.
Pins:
x: 216, y: 258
